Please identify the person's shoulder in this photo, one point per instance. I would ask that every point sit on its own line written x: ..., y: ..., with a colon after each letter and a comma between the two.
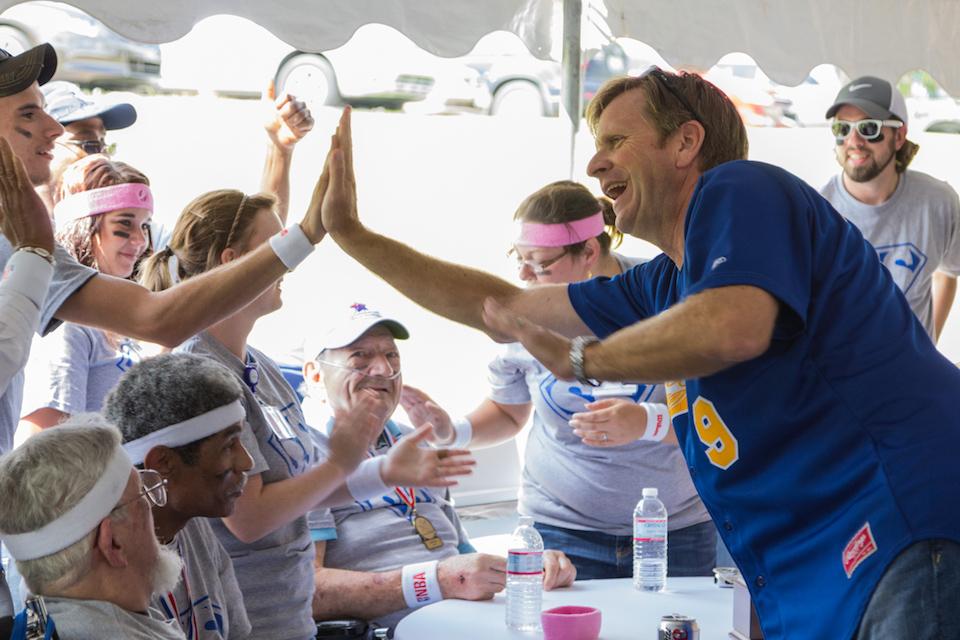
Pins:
x: 930, y: 185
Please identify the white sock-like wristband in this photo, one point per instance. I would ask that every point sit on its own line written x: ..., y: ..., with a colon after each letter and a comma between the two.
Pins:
x: 420, y: 584
x: 366, y: 483
x: 462, y: 433
x: 658, y: 422
x: 292, y: 246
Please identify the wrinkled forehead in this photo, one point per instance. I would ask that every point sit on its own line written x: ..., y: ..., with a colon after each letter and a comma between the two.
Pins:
x: 376, y: 338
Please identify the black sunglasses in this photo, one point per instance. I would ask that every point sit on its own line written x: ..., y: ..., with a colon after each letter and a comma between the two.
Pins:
x: 664, y: 81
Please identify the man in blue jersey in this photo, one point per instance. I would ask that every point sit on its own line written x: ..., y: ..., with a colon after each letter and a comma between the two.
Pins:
x: 814, y: 412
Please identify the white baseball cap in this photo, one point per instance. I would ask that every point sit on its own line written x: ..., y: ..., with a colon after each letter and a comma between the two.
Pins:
x: 349, y: 326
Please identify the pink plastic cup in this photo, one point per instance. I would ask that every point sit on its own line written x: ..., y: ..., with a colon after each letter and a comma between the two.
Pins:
x: 571, y: 623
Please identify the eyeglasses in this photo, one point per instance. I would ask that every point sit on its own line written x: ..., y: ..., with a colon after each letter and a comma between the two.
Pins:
x: 92, y: 147
x: 365, y: 370
x: 664, y: 81
x: 154, y: 487
x: 869, y: 129
x: 537, y: 268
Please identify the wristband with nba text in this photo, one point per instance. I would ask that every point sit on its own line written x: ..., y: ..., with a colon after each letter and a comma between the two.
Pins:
x: 420, y: 584
x: 292, y: 246
x: 658, y: 421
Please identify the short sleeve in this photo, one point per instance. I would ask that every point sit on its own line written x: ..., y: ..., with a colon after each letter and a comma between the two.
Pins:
x: 68, y: 276
x: 749, y: 225
x: 67, y: 368
x: 507, y: 376
x: 951, y: 258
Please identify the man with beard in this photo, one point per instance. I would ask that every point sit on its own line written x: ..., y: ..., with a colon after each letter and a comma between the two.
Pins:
x: 911, y: 218
x: 181, y: 416
x: 77, y: 518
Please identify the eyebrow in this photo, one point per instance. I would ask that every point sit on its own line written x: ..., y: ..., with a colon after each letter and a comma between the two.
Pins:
x: 32, y: 106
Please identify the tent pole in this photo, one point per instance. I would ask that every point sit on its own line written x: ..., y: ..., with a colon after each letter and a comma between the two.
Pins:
x: 571, y: 91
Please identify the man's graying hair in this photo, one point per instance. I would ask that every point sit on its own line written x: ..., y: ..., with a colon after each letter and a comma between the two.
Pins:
x: 43, y: 479
x: 167, y: 389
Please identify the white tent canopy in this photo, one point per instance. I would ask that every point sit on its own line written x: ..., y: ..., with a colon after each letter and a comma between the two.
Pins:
x: 785, y: 37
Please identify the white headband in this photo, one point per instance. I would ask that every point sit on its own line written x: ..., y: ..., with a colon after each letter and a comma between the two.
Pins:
x: 79, y: 520
x: 181, y: 433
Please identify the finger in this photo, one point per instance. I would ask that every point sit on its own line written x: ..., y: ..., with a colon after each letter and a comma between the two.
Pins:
x: 346, y: 138
x: 602, y: 404
x: 550, y: 570
x: 600, y: 444
x: 420, y: 435
x: 271, y: 91
x: 589, y: 419
x: 498, y: 564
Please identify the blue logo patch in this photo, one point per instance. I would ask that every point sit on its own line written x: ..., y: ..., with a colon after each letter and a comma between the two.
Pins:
x: 904, y: 261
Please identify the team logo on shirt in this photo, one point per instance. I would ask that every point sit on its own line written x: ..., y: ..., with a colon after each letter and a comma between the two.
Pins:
x: 567, y: 398
x: 860, y: 547
x: 904, y: 261
x: 676, y: 398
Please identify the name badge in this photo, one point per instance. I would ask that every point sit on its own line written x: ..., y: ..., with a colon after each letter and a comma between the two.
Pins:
x: 278, y: 424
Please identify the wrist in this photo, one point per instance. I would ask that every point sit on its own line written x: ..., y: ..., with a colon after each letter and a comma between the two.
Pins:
x: 292, y: 246
x: 420, y: 584
x: 658, y: 421
x: 578, y: 349
x: 462, y: 434
x: 367, y: 482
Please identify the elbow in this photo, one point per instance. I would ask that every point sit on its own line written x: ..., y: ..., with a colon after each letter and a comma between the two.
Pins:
x: 165, y: 332
x: 246, y: 531
x: 743, y: 343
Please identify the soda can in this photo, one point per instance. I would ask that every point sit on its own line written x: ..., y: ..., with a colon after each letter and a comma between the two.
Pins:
x: 678, y: 627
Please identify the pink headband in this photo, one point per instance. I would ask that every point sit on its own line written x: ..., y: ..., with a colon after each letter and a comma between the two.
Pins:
x: 560, y: 234
x: 103, y: 200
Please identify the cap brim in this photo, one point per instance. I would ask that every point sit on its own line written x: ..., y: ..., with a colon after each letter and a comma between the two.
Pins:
x: 872, y: 109
x: 33, y: 65
x: 338, y: 339
x: 116, y: 116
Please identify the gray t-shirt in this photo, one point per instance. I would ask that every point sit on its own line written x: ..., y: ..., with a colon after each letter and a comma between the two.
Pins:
x: 72, y: 369
x: 207, y: 601
x: 68, y: 276
x: 915, y: 232
x: 99, y: 620
x: 572, y: 485
x: 377, y: 535
x: 275, y: 572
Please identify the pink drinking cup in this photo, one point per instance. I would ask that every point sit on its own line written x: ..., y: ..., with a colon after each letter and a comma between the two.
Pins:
x: 571, y: 623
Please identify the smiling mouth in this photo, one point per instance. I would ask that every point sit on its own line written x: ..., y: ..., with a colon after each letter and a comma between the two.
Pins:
x: 614, y: 190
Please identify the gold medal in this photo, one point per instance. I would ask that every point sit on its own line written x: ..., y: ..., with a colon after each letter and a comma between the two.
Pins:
x: 427, y: 532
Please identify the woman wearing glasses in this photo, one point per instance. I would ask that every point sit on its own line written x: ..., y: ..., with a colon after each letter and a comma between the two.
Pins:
x: 295, y: 470
x: 585, y: 463
x: 102, y: 213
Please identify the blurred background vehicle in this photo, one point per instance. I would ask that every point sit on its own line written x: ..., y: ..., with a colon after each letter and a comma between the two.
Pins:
x: 930, y: 107
x: 88, y: 52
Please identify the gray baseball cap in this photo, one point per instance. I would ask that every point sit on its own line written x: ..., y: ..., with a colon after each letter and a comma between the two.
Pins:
x: 19, y: 72
x: 66, y: 103
x: 874, y: 96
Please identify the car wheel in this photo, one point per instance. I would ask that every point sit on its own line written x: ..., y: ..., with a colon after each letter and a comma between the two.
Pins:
x: 518, y: 98
x: 310, y: 78
x: 13, y: 40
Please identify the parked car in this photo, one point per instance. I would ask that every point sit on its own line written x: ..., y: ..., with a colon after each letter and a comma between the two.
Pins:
x: 88, y: 52
x: 751, y: 91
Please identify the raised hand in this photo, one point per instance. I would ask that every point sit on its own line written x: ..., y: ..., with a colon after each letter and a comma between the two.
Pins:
x: 472, y: 576
x: 610, y: 422
x: 340, y: 201
x: 290, y: 119
x: 411, y: 465
x: 24, y: 219
x: 355, y: 430
x: 421, y: 409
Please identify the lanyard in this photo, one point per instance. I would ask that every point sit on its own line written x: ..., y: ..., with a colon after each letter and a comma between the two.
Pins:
x: 170, y: 600
x: 251, y: 373
x: 407, y: 495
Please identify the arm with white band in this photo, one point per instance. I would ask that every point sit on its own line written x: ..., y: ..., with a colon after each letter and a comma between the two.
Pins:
x: 658, y: 421
x: 26, y: 278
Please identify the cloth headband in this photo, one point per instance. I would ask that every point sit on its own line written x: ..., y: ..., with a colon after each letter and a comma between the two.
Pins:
x: 79, y: 520
x: 560, y: 234
x: 103, y: 200
x: 181, y: 433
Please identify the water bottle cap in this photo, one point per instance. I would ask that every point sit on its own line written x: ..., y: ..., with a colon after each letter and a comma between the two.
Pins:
x: 649, y: 492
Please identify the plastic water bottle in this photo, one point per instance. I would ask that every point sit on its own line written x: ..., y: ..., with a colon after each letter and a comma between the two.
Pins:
x: 650, y: 543
x: 525, y: 577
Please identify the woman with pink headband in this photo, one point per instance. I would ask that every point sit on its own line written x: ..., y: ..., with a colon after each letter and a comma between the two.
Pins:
x: 591, y: 450
x: 102, y: 215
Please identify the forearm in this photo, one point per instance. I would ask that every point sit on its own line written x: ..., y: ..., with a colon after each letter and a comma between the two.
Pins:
x: 169, y: 317
x: 366, y: 595
x: 944, y: 292
x: 276, y: 177
x: 21, y: 296
x: 264, y: 508
x: 708, y: 332
x: 492, y: 424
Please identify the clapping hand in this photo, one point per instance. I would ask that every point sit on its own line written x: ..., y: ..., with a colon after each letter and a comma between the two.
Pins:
x: 409, y: 464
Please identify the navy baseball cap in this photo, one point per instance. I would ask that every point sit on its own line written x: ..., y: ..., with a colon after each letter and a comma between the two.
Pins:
x: 874, y: 96
x: 19, y: 72
x: 66, y: 103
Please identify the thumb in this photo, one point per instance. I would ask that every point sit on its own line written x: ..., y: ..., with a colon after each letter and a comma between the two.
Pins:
x: 420, y: 435
x: 600, y: 404
x: 271, y: 92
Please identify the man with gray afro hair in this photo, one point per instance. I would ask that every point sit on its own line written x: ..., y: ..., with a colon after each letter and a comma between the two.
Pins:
x: 76, y: 516
x: 181, y: 416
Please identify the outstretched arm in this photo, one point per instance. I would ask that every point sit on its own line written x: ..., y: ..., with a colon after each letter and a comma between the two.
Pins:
x: 289, y: 122
x: 450, y: 290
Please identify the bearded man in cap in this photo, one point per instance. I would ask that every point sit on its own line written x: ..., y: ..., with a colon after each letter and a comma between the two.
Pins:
x: 911, y: 219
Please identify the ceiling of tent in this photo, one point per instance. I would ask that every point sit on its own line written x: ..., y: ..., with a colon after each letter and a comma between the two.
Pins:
x: 787, y: 38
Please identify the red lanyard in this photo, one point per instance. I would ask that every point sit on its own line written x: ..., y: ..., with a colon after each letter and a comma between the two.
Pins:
x: 173, y: 599
x: 407, y: 495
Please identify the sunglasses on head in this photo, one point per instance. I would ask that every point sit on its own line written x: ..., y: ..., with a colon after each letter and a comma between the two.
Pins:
x: 870, y: 129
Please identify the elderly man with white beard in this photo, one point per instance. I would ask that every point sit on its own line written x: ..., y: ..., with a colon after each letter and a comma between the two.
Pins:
x: 77, y: 518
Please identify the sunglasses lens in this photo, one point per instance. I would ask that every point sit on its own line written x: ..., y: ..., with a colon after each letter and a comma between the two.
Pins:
x: 841, y: 130
x: 868, y: 129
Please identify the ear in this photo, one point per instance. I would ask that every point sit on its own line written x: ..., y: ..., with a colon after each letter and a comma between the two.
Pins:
x: 591, y: 253
x: 900, y: 136
x: 311, y: 372
x: 109, y: 547
x: 163, y: 460
x: 229, y: 254
x: 689, y: 138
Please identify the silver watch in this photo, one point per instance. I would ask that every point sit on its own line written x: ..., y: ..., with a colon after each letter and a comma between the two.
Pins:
x: 577, y: 345
x: 38, y: 251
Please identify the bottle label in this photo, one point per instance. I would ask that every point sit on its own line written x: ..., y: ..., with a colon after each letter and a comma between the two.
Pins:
x: 649, y: 529
x: 522, y: 562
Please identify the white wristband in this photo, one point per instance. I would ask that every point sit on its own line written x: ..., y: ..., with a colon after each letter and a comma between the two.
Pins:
x: 462, y: 433
x: 420, y: 584
x: 658, y: 421
x: 366, y: 483
x: 292, y: 246
x: 29, y: 275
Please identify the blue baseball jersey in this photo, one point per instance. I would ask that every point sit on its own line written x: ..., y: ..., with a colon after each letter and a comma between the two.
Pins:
x: 826, y: 456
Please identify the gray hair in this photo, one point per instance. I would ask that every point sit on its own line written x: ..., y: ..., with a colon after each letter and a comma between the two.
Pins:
x: 43, y: 479
x: 167, y: 389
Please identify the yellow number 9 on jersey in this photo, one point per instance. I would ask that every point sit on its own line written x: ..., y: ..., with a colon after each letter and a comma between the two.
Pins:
x: 722, y: 448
